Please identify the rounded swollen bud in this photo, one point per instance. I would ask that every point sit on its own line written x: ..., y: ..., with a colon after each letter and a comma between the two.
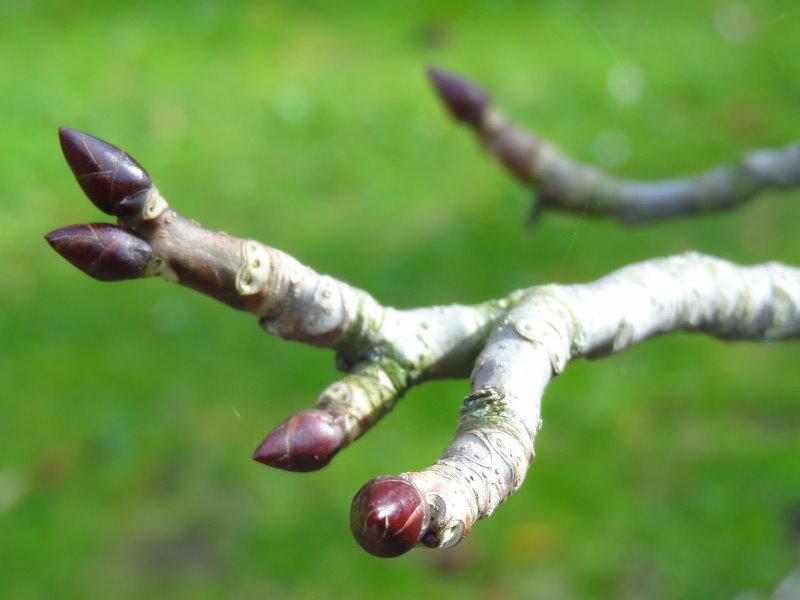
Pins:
x: 465, y: 100
x: 111, y: 179
x: 105, y: 252
x: 389, y: 516
x: 306, y: 441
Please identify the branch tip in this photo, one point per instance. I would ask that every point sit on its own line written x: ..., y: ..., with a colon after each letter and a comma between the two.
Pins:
x: 109, y: 177
x: 465, y: 100
x: 306, y: 441
x: 389, y: 516
x: 105, y: 252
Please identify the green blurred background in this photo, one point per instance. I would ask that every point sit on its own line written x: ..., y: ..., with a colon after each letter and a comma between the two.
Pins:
x: 128, y: 412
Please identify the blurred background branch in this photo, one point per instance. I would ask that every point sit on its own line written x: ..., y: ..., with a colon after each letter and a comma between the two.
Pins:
x: 561, y: 183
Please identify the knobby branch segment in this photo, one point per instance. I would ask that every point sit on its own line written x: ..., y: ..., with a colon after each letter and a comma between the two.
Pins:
x: 383, y: 351
x: 553, y: 324
x: 511, y: 347
x: 561, y: 183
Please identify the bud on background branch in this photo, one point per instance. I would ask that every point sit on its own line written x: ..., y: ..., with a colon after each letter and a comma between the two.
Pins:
x: 564, y: 184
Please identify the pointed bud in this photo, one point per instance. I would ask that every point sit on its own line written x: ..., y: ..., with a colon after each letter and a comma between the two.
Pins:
x: 465, y: 100
x: 105, y: 252
x: 306, y: 441
x: 111, y: 179
x: 389, y: 516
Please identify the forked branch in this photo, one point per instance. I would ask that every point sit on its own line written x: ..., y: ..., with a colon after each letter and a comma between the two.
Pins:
x: 510, y: 346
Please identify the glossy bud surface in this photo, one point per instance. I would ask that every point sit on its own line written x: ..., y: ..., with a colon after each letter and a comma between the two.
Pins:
x: 105, y: 252
x: 389, y: 516
x: 306, y: 441
x: 109, y: 177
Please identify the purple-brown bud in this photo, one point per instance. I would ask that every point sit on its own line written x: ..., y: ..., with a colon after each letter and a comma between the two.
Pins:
x: 465, y: 100
x: 112, y: 179
x: 105, y: 252
x: 306, y: 441
x: 389, y: 516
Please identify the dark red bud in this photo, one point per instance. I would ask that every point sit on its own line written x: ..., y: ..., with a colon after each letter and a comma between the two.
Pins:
x: 465, y: 100
x: 389, y: 516
x: 306, y: 441
x: 105, y: 252
x: 112, y: 180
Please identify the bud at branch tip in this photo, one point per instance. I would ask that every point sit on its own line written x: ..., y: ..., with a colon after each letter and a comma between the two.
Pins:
x: 110, y: 178
x: 389, y: 516
x: 105, y: 252
x: 465, y: 100
x: 306, y: 441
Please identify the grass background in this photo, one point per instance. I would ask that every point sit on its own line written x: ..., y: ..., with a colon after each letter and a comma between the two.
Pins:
x: 128, y: 412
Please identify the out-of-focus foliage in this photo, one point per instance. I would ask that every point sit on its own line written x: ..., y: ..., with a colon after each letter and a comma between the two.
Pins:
x: 128, y: 412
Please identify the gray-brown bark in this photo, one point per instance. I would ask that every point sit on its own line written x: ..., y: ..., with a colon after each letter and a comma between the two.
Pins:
x: 511, y: 346
x: 564, y: 184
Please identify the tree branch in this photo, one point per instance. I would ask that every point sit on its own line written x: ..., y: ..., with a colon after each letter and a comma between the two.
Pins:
x: 384, y: 350
x: 512, y: 346
x: 562, y: 183
x: 556, y: 324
